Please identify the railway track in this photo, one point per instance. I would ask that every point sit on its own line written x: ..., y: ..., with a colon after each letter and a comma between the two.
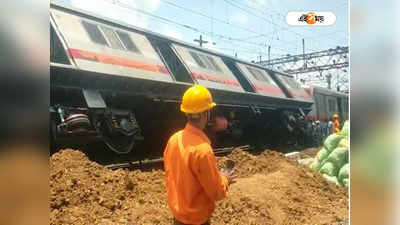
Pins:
x: 151, y: 163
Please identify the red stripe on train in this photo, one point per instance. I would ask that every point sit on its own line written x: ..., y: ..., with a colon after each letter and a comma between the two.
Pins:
x: 301, y: 94
x: 113, y: 60
x: 208, y: 77
x: 267, y: 89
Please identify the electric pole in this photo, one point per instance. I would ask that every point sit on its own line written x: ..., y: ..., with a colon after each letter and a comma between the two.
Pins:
x: 304, y: 55
x: 328, y: 80
x: 201, y: 41
x: 269, y: 54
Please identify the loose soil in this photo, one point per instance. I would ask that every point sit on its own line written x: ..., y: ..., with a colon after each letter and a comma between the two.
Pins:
x: 270, y: 189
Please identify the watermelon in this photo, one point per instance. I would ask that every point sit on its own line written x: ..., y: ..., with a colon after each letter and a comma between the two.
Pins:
x: 329, y: 168
x: 339, y: 157
x: 344, y: 143
x: 316, y: 165
x: 344, y: 172
x: 345, y: 182
x: 332, y: 141
x: 332, y: 179
x: 346, y: 129
x: 322, y: 154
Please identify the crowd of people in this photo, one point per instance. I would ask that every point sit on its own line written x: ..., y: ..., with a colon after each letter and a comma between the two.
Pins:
x: 318, y: 130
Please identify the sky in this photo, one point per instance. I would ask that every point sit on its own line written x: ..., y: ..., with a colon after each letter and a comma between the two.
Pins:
x: 242, y: 27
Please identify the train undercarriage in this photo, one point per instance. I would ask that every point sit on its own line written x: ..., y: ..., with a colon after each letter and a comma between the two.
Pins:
x: 121, y: 125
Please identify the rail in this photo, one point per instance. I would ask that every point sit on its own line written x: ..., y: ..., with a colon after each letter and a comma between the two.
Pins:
x: 148, y: 162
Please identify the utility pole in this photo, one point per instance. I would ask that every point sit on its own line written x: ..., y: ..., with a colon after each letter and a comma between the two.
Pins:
x: 337, y: 84
x: 329, y: 80
x: 304, y: 55
x: 269, y: 54
x: 201, y: 41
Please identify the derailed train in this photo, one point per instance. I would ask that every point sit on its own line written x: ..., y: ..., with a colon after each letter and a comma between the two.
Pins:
x: 122, y: 85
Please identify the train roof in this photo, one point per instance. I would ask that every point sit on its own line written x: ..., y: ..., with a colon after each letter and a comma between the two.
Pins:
x: 311, y: 89
x: 229, y: 78
x: 84, y: 13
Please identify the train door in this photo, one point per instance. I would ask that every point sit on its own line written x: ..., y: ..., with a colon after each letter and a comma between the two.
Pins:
x: 321, y: 107
x: 331, y: 103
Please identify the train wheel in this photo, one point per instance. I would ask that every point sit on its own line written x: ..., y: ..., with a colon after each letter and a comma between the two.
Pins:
x: 120, y: 145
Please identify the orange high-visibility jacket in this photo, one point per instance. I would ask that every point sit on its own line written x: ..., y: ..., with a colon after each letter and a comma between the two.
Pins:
x: 193, y: 180
x: 336, y: 126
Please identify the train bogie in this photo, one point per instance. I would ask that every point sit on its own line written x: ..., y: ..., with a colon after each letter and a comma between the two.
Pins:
x: 327, y: 103
x: 121, y: 85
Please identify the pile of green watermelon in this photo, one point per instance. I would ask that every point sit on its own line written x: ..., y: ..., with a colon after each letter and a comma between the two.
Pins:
x: 333, y: 159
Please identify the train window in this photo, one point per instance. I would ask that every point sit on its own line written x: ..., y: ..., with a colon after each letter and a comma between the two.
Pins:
x: 112, y: 38
x: 57, y: 52
x: 94, y: 33
x: 208, y: 64
x: 257, y: 74
x: 127, y: 41
x: 291, y: 82
x: 331, y: 105
x: 212, y: 61
x: 205, y: 61
x: 196, y: 57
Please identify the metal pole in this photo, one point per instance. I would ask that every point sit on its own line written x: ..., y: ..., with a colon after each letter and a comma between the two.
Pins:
x: 329, y: 79
x: 304, y: 55
x: 201, y: 41
x: 337, y: 82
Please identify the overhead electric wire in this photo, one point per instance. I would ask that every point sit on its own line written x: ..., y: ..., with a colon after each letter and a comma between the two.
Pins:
x: 224, y: 38
x: 220, y: 36
x: 236, y: 4
x: 222, y: 21
x: 212, y: 18
x: 225, y: 22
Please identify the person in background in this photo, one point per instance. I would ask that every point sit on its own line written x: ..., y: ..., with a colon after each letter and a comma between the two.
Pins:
x: 330, y: 127
x: 336, y: 124
x: 325, y: 129
x: 319, y: 132
x: 193, y: 180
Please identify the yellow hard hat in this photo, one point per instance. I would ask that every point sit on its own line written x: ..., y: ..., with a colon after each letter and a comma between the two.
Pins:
x: 335, y: 116
x: 196, y: 99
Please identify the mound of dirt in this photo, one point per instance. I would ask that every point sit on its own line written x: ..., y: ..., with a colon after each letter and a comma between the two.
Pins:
x: 83, y: 192
x: 271, y: 189
x: 274, y: 189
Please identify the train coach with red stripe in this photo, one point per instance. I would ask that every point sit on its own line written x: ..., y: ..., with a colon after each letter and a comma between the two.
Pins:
x: 122, y: 85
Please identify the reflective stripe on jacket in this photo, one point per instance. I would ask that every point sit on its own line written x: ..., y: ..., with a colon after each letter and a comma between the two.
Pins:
x: 193, y: 180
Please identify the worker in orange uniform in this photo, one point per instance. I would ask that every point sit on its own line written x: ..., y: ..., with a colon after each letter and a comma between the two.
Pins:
x: 336, y: 124
x: 194, y: 182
